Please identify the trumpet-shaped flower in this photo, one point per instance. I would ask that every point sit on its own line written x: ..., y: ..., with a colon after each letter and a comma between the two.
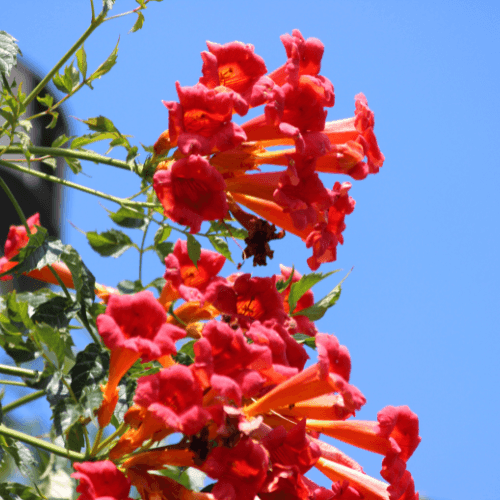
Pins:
x: 191, y: 191
x: 101, y: 481
x: 133, y: 327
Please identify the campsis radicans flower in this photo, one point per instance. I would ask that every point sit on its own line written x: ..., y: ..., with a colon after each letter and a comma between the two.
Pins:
x: 211, y: 175
x: 17, y: 238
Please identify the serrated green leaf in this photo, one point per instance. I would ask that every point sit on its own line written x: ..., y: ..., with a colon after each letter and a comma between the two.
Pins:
x: 194, y: 249
x: 111, y: 243
x: 56, y: 312
x: 106, y: 65
x: 61, y: 140
x: 9, y: 117
x: 148, y: 149
x: 225, y: 229
x: 221, y: 246
x: 72, y: 76
x: 83, y: 279
x: 46, y: 100
x: 306, y: 282
x: 8, y: 53
x: 90, y: 369
x: 83, y: 140
x: 163, y: 249
x: 126, y: 217
x: 67, y: 81
x: 162, y: 234
x: 138, y: 23
x: 127, y: 287
x: 81, y: 58
x: 54, y: 339
x: 74, y: 164
x: 51, y: 162
x: 318, y: 310
x: 100, y: 124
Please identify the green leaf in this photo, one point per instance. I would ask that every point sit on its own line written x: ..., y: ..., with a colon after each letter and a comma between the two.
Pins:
x: 81, y: 58
x: 185, y: 355
x: 53, y: 123
x: 302, y: 338
x: 194, y: 249
x: 16, y: 491
x: 100, y: 124
x: 54, y: 339
x: 65, y: 414
x: 90, y: 369
x: 51, y: 162
x: 298, y: 289
x: 283, y: 285
x: 56, y: 312
x: 126, y: 392
x: 106, y: 65
x: 138, y: 23
x: 126, y: 217
x: 163, y: 249
x: 317, y: 311
x: 8, y: 53
x: 162, y: 234
x: 225, y: 229
x: 74, y: 164
x: 127, y: 287
x: 157, y: 283
x: 221, y: 246
x: 83, y: 279
x: 132, y: 153
x: 9, y: 117
x: 68, y: 81
x: 83, y: 140
x: 22, y: 455
x: 111, y: 243
x: 46, y: 100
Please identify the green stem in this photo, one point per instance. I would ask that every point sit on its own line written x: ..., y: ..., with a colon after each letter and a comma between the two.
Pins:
x: 141, y: 251
x: 40, y: 443
x: 22, y: 401
x: 13, y: 200
x: 97, y: 440
x: 12, y: 382
x: 18, y: 372
x: 95, y: 23
x: 119, y: 432
x: 52, y: 178
x: 71, y: 153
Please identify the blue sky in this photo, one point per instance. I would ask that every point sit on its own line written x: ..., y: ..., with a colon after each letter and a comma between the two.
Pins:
x: 420, y: 311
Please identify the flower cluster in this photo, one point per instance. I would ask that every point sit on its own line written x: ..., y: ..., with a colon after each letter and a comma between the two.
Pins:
x: 248, y: 409
x: 213, y: 171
